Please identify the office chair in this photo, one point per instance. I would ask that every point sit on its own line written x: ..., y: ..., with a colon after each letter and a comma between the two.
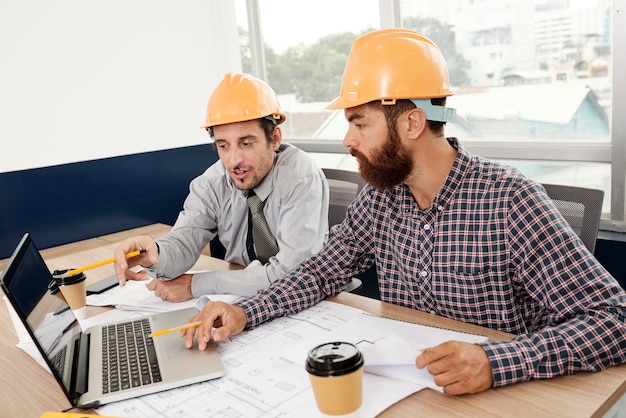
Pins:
x: 344, y: 187
x: 582, y: 209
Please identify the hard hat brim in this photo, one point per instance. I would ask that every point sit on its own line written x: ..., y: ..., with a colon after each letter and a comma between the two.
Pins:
x: 343, y: 103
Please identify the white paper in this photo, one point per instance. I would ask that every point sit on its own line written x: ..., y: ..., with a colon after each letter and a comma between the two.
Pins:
x: 394, y: 357
x: 390, y: 350
x: 367, y: 331
x: 261, y: 380
x: 136, y: 296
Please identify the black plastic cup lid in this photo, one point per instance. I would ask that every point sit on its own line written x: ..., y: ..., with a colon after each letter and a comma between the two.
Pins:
x: 334, y: 359
x: 60, y: 280
x: 53, y: 287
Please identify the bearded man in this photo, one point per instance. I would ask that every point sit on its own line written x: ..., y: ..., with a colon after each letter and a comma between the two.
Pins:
x: 450, y: 233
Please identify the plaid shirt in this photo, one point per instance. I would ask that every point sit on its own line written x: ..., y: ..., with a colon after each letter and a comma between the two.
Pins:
x: 491, y: 250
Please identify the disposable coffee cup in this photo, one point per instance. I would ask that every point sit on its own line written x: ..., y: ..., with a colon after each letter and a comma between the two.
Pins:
x: 336, y: 373
x: 72, y: 289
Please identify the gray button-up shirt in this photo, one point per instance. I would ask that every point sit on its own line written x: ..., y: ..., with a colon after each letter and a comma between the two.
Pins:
x: 296, y: 208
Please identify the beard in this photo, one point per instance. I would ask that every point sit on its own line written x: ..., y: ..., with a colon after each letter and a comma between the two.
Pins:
x: 389, y: 166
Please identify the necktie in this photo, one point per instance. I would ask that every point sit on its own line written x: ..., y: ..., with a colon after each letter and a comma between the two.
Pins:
x: 264, y: 241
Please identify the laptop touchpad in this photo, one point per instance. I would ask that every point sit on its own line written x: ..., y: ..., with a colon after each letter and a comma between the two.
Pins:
x: 175, y: 348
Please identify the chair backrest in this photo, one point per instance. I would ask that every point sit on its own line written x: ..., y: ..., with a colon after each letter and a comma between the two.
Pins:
x: 344, y: 187
x: 582, y: 209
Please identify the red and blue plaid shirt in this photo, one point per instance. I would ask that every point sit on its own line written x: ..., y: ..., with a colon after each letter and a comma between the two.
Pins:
x: 491, y: 250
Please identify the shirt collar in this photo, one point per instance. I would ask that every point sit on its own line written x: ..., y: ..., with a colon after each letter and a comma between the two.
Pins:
x: 460, y: 168
x: 266, y: 186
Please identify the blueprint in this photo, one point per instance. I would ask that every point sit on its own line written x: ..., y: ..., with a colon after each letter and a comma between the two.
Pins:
x: 265, y: 374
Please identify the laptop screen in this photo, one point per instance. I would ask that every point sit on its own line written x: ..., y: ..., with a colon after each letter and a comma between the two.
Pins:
x: 28, y: 279
x: 25, y: 281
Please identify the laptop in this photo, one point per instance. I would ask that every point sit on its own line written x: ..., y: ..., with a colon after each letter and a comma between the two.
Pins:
x: 95, y: 366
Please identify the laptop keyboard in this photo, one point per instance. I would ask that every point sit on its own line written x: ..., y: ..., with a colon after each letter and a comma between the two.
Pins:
x: 129, y: 358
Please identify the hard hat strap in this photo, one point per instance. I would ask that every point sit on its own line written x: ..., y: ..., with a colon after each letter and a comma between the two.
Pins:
x: 435, y: 112
x: 274, y: 118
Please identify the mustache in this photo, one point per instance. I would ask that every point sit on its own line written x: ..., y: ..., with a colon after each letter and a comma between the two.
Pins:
x: 240, y: 167
x: 356, y: 153
x: 390, y: 155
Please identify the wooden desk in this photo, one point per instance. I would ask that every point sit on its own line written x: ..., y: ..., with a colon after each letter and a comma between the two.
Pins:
x: 579, y: 395
x: 28, y: 390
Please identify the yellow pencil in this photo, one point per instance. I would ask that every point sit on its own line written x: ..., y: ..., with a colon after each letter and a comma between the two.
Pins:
x: 168, y: 330
x: 102, y: 263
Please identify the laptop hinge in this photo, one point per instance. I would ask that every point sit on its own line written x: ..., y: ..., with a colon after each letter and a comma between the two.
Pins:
x: 80, y: 372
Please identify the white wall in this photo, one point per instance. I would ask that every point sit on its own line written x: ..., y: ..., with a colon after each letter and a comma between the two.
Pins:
x: 88, y: 79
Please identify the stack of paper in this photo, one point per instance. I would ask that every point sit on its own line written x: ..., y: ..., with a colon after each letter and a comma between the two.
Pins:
x: 134, y: 295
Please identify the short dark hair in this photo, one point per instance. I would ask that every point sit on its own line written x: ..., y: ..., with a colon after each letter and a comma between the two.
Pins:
x: 267, y: 125
x: 392, y: 112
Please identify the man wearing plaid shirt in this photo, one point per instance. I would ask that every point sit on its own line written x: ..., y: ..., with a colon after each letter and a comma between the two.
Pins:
x: 450, y: 233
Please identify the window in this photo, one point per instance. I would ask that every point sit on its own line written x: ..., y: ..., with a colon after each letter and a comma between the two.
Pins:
x: 533, y: 80
x: 305, y: 46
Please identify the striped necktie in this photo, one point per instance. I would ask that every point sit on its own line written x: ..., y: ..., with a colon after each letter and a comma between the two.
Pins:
x: 264, y: 242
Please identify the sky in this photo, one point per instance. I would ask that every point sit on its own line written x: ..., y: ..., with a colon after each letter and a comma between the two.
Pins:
x: 288, y: 22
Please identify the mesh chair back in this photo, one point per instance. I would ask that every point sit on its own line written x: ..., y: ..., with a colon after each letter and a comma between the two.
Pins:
x: 344, y: 187
x: 582, y: 209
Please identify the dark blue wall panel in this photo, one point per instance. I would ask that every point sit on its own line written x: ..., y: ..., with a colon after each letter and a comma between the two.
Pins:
x: 71, y: 202
x: 611, y: 254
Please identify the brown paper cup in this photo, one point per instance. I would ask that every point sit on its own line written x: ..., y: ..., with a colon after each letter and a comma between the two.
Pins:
x: 73, y: 290
x: 336, y: 373
x: 76, y: 297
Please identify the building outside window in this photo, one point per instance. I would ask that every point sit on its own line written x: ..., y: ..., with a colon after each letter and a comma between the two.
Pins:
x: 533, y: 80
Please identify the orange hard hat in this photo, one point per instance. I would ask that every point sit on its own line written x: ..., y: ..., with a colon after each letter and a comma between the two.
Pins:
x: 241, y: 97
x: 392, y: 64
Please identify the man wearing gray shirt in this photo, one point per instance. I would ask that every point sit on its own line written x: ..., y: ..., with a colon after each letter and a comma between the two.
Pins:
x: 242, y: 118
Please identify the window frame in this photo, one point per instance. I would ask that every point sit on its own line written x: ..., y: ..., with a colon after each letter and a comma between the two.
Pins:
x: 612, y: 152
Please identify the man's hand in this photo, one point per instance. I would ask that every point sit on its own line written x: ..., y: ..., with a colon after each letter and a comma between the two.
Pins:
x: 123, y: 264
x: 227, y: 319
x: 175, y: 290
x: 458, y: 367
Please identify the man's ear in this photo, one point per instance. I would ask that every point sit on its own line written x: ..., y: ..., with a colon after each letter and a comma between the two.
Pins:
x: 277, y: 137
x: 417, y: 122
